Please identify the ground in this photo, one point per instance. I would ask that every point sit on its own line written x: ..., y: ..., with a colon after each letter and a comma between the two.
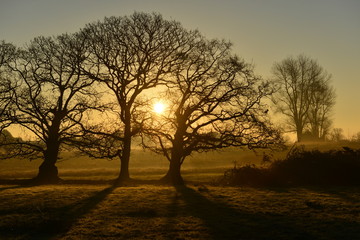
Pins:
x: 147, y: 210
x: 86, y: 205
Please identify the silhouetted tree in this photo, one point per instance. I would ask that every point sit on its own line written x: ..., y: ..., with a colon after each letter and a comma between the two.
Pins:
x: 5, y: 137
x: 7, y: 82
x: 304, y: 95
x: 214, y: 101
x: 51, y: 98
x: 129, y: 55
x: 337, y: 135
x: 322, y: 101
x: 356, y: 137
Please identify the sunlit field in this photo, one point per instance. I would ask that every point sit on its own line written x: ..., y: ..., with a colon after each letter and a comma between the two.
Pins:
x: 86, y: 205
x: 143, y: 165
x: 177, y: 120
x: 148, y: 211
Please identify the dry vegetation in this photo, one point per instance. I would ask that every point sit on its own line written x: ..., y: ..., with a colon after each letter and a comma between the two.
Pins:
x: 150, y: 211
x: 301, y: 168
x: 87, y: 206
x: 144, y: 165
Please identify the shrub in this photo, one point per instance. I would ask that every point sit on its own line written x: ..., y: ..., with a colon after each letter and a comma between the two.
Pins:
x: 247, y: 175
x: 300, y: 167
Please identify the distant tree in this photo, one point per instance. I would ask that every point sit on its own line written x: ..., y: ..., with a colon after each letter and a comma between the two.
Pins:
x: 304, y: 95
x: 7, y: 82
x: 337, y: 135
x: 5, y: 137
x: 129, y: 55
x: 321, y: 105
x: 214, y: 101
x: 51, y: 99
x: 356, y: 137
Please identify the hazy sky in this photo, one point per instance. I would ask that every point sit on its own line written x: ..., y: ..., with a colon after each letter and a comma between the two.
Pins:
x: 262, y: 31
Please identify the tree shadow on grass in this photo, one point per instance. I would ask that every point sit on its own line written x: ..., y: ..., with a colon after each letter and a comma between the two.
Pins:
x: 15, y: 184
x: 56, y: 222
x: 347, y: 193
x: 12, y: 187
x: 25, y: 183
x: 225, y: 222
x: 172, y: 213
x: 67, y: 216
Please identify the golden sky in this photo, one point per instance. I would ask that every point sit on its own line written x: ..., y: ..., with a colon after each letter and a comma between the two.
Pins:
x: 262, y: 31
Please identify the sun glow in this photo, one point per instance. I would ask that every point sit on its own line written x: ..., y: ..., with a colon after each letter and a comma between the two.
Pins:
x: 159, y: 107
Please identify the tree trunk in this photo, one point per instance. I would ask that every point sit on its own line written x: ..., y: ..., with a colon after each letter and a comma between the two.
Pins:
x: 299, y: 133
x: 125, y: 155
x: 48, y: 172
x: 173, y: 176
x: 124, y: 174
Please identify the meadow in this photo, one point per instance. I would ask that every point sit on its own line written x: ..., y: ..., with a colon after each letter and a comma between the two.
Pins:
x: 144, y: 165
x: 87, y: 205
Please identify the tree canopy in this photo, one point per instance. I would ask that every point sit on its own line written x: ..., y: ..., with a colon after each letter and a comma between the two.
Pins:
x: 93, y: 90
x: 129, y: 56
x: 51, y: 98
x: 304, y: 96
x: 215, y: 101
x: 7, y: 82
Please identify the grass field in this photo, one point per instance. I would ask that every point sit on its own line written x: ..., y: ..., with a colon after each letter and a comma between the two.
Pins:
x: 145, y: 210
x: 87, y: 206
x: 143, y: 165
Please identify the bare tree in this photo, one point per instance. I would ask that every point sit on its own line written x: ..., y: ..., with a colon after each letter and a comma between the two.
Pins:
x: 356, y: 137
x: 130, y: 55
x: 51, y: 98
x: 7, y: 82
x: 214, y: 101
x: 337, y: 135
x: 303, y: 94
x: 322, y: 102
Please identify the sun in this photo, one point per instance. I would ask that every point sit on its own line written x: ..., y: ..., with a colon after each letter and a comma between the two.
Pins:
x: 159, y: 107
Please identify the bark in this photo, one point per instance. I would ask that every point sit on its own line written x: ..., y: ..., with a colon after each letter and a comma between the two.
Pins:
x: 124, y: 174
x: 299, y: 135
x: 299, y: 130
x: 48, y: 172
x: 173, y: 176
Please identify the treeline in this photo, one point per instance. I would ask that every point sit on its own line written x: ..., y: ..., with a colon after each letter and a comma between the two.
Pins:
x: 93, y: 92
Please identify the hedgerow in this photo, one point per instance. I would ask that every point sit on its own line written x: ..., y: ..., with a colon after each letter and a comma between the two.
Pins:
x: 300, y: 167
